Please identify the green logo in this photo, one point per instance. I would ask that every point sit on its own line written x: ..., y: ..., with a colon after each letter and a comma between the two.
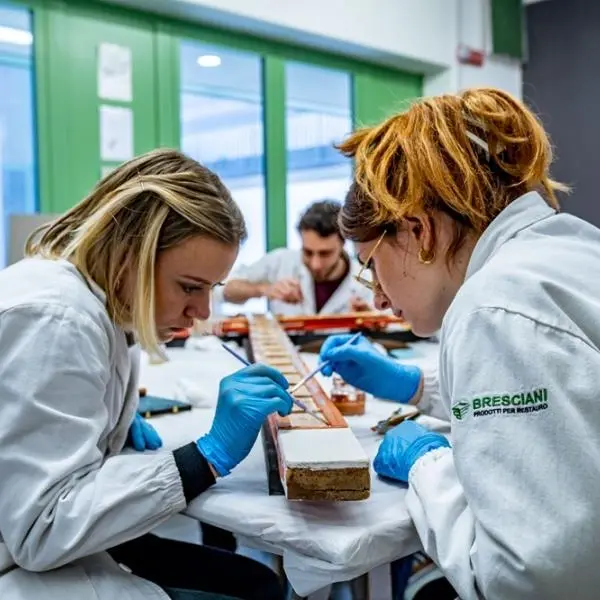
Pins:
x: 460, y: 409
x: 532, y: 401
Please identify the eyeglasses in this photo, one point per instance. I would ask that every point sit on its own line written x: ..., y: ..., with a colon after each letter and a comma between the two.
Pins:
x: 370, y: 285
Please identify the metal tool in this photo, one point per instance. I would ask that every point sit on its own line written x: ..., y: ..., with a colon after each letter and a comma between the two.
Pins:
x: 397, y: 417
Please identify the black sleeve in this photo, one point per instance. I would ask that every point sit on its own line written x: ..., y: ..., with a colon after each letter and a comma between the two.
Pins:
x: 194, y: 471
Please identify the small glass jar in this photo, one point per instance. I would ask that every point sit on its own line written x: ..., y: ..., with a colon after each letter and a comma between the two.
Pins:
x: 347, y: 398
x: 359, y: 396
x: 339, y: 391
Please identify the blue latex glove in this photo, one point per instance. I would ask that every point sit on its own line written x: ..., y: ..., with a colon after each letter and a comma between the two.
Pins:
x: 246, y: 398
x: 402, y: 446
x: 360, y: 365
x: 142, y: 436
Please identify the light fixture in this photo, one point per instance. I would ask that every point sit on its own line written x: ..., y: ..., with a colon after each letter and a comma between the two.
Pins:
x: 209, y: 60
x: 19, y: 37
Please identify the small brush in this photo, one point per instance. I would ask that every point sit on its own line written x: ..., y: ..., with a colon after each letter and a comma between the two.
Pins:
x: 297, y: 402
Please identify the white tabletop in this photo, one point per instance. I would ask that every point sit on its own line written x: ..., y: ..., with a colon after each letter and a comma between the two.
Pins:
x: 321, y: 543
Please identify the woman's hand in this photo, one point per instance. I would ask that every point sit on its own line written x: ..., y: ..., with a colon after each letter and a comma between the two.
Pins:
x: 246, y: 399
x: 142, y: 436
x: 360, y: 365
x: 402, y: 446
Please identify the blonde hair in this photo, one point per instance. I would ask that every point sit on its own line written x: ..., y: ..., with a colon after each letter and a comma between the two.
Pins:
x: 469, y: 155
x: 143, y: 207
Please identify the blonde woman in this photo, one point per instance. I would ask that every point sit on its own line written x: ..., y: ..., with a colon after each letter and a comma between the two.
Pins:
x: 133, y: 262
x: 456, y: 216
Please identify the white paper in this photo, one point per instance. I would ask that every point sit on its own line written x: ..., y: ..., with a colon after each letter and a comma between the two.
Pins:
x: 116, y: 133
x: 114, y: 72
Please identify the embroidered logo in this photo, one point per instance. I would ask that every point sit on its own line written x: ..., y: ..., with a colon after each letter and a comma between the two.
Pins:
x: 502, y: 404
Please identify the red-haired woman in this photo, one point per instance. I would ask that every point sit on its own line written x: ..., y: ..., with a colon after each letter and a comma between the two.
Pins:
x: 455, y: 214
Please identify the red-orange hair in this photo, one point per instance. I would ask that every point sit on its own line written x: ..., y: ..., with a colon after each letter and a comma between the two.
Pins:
x: 469, y: 155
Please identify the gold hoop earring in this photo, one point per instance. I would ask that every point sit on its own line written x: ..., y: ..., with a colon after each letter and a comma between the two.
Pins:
x: 426, y: 257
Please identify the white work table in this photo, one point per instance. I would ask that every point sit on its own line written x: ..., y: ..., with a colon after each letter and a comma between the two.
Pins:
x: 320, y: 543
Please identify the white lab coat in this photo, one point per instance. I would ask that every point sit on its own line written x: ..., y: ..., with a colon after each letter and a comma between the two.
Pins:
x: 512, y: 510
x: 285, y: 263
x: 68, y: 393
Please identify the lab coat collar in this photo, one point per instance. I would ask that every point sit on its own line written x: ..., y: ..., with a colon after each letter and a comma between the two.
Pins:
x: 518, y: 215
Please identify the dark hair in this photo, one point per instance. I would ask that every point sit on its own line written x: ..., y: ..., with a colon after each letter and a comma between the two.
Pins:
x: 321, y: 217
x: 351, y: 220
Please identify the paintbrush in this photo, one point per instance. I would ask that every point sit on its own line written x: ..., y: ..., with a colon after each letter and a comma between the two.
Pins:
x: 297, y: 402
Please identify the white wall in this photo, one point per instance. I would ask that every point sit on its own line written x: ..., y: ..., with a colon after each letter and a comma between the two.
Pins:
x: 473, y: 28
x: 418, y: 35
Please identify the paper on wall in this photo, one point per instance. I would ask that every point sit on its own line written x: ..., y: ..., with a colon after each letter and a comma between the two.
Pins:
x: 116, y: 133
x: 114, y: 72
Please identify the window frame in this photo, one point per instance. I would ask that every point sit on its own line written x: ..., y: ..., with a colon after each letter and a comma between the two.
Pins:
x: 50, y: 23
x: 364, y: 104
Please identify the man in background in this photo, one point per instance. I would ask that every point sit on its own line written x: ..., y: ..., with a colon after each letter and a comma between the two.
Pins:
x: 316, y: 279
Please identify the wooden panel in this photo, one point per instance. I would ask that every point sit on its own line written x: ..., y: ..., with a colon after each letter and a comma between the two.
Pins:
x: 308, y: 472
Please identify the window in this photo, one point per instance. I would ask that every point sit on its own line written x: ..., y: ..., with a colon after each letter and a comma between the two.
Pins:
x: 318, y: 114
x: 222, y: 127
x: 18, y: 193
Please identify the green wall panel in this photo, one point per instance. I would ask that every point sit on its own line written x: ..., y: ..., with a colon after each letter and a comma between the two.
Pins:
x: 275, y: 151
x: 166, y: 49
x: 51, y: 127
x: 79, y: 107
x: 265, y: 47
x: 507, y: 27
x: 379, y: 95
